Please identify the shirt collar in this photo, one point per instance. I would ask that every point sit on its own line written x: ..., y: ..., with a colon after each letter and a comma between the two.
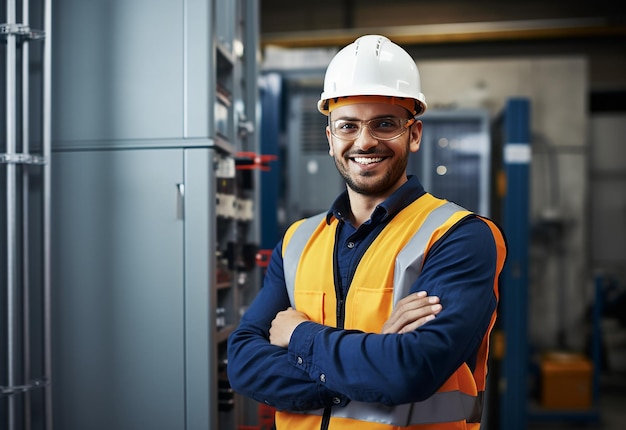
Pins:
x: 410, y: 191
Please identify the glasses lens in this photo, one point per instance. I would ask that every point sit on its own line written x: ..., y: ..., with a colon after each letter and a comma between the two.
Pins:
x: 385, y: 128
x: 380, y: 128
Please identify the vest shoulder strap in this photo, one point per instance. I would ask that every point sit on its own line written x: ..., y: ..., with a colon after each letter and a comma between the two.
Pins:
x: 409, y: 261
x: 294, y: 248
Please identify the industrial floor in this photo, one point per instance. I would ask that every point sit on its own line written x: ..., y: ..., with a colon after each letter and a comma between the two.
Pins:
x: 611, y: 410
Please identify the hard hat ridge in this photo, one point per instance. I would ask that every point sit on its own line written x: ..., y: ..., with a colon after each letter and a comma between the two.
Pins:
x: 372, y: 66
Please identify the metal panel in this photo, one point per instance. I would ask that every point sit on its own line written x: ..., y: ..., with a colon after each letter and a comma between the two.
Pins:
x: 119, y: 67
x: 199, y: 65
x: 313, y: 179
x: 200, y: 298
x: 454, y: 160
x: 118, y: 305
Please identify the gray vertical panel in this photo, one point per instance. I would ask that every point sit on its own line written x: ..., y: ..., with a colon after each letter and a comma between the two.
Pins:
x: 467, y: 157
x: 200, y: 68
x: 118, y: 70
x: 118, y: 350
x: 200, y: 297
x: 225, y: 24
x: 314, y: 181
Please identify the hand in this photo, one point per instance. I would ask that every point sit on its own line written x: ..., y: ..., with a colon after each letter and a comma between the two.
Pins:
x: 283, y: 326
x: 411, y: 312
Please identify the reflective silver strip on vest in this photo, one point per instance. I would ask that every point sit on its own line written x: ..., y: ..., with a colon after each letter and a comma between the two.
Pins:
x: 408, y: 264
x: 443, y: 407
x: 409, y: 261
x: 294, y: 250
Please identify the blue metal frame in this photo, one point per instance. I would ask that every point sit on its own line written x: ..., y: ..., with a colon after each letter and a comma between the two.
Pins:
x: 271, y: 108
x: 514, y: 288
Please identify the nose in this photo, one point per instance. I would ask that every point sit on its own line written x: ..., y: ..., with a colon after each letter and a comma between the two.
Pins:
x: 365, y: 140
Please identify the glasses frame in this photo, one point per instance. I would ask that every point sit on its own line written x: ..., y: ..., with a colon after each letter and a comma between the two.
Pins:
x: 363, y: 123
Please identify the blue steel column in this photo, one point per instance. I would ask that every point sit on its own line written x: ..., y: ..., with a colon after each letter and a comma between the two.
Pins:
x: 514, y: 291
x: 270, y: 89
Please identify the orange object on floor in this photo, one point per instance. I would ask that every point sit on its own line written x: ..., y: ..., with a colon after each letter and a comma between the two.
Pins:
x: 566, y: 381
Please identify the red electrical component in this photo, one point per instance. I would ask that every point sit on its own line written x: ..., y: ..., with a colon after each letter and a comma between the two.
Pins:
x: 251, y: 160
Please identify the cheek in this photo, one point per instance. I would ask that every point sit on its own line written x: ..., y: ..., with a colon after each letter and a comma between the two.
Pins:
x: 333, y: 147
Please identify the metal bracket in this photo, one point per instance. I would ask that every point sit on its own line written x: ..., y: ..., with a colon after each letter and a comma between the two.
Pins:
x: 17, y: 389
x: 21, y: 30
x: 22, y: 159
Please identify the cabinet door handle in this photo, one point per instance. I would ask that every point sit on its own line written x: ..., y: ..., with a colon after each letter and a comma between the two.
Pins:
x: 180, y: 201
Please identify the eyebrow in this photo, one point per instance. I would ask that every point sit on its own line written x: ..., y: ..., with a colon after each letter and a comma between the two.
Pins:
x: 352, y: 118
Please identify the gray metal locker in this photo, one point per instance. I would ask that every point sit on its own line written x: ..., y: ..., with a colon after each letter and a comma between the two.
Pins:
x: 119, y: 290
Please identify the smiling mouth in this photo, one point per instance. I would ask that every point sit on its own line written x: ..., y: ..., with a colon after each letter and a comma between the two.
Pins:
x: 367, y: 160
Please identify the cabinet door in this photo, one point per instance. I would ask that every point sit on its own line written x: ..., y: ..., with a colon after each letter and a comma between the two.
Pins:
x: 118, y: 290
x: 118, y: 71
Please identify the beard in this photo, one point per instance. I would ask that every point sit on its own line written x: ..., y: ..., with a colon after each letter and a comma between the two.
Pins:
x: 366, y: 183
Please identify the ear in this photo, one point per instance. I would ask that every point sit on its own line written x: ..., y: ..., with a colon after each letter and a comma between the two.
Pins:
x: 330, y: 142
x: 416, y: 136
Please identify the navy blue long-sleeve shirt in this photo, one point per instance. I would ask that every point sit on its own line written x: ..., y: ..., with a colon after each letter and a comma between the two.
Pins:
x: 325, y: 366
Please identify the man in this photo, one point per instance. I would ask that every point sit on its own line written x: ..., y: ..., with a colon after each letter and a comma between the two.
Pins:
x: 377, y: 314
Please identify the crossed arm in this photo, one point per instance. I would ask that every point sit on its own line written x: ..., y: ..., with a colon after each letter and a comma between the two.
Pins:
x: 410, y: 313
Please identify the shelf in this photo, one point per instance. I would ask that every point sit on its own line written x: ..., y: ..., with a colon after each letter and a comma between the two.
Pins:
x: 224, y: 285
x: 224, y: 144
x: 225, y: 59
x: 223, y: 333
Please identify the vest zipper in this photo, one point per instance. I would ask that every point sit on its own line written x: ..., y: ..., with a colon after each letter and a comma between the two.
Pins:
x: 341, y: 312
x: 326, y: 418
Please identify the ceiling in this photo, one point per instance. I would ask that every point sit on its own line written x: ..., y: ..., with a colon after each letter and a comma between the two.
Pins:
x: 326, y: 23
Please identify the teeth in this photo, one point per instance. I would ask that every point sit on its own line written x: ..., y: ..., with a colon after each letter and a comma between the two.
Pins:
x: 364, y: 160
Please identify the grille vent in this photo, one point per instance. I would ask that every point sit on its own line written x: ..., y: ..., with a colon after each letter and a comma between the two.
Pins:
x: 312, y: 126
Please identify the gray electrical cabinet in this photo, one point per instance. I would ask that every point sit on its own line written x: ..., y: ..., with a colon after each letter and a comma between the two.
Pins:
x: 455, y: 161
x: 314, y: 181
x: 153, y: 105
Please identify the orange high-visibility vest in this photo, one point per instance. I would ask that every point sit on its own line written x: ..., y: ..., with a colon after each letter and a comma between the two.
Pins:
x: 384, y: 275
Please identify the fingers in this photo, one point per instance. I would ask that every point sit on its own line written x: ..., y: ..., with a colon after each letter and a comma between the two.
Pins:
x: 435, y: 309
x: 412, y: 312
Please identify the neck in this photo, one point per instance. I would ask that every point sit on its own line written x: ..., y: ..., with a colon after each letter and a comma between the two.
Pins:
x: 361, y: 207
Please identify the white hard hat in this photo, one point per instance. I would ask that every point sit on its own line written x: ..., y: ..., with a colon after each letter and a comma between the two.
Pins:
x: 372, y: 66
